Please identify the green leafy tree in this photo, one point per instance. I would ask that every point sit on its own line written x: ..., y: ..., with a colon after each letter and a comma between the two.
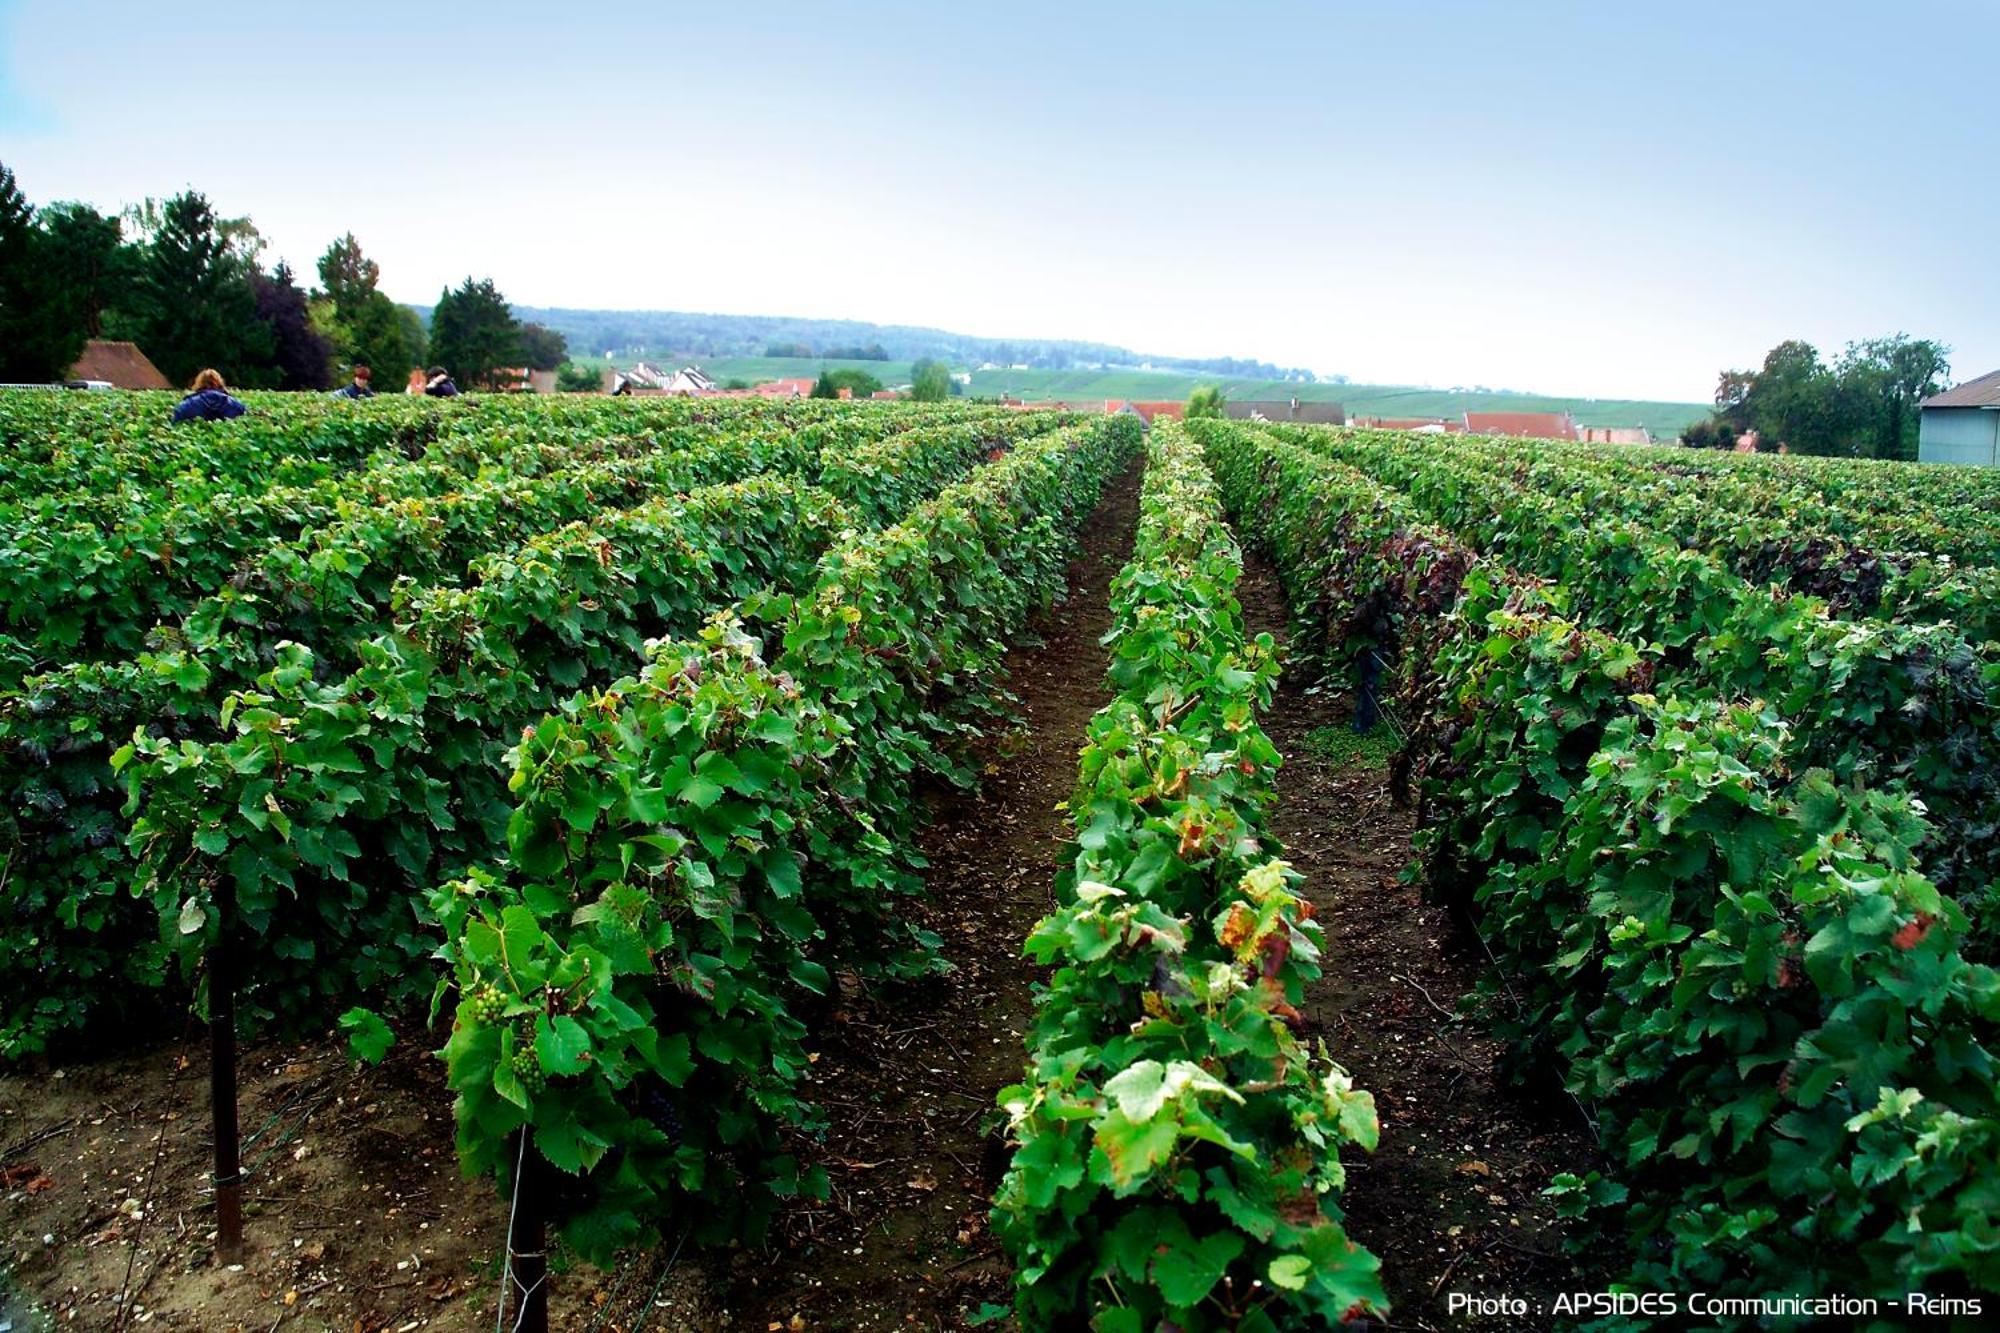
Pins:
x: 858, y: 383
x: 1865, y: 405
x: 474, y: 332
x: 543, y: 348
x: 1205, y: 401
x: 194, y: 305
x: 1715, y: 433
x: 369, y: 329
x: 930, y: 381
x: 1732, y: 397
x: 573, y: 378
x: 1884, y: 381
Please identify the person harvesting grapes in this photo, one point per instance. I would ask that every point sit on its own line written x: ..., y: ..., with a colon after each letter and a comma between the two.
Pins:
x: 208, y: 400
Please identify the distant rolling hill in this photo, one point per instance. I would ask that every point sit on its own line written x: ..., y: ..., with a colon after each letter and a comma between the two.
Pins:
x: 1386, y: 400
x: 729, y: 347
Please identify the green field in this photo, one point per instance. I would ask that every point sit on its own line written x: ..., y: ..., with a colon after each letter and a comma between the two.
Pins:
x: 1083, y: 386
x: 1358, y: 399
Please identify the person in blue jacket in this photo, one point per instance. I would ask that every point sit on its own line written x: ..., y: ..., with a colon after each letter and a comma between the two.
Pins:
x: 208, y: 400
x: 440, y: 384
x: 360, y: 387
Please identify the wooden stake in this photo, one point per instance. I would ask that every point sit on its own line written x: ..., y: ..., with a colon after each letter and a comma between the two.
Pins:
x: 527, y: 1252
x: 222, y: 1080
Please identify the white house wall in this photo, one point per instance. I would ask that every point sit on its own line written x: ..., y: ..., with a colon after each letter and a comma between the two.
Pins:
x: 1959, y: 435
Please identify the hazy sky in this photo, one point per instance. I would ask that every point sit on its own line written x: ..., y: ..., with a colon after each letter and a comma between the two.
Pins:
x: 1604, y: 198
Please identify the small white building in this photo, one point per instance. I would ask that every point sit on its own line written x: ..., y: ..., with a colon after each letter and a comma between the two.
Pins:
x: 1962, y: 425
x: 688, y: 381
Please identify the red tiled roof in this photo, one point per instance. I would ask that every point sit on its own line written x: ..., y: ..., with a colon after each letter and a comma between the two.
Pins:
x: 120, y: 364
x: 1528, y: 425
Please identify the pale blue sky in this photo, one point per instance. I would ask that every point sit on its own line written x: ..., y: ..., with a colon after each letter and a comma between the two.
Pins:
x: 1599, y: 198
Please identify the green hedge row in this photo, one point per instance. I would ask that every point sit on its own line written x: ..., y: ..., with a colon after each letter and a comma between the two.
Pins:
x: 689, y: 844
x: 1727, y: 954
x: 1176, y: 1145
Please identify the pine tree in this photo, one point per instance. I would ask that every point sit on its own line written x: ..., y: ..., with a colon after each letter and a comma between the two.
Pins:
x: 38, y: 340
x: 87, y: 264
x: 195, y: 304
x: 474, y: 333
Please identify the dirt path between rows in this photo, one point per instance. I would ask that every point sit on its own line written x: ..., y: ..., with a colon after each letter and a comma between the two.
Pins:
x: 908, y: 1076
x: 1451, y: 1199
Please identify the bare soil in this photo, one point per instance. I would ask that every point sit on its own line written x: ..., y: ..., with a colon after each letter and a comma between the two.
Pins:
x: 909, y: 1075
x: 1451, y: 1199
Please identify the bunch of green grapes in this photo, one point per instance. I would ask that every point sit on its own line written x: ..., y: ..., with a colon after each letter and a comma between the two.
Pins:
x: 485, y: 1003
x: 528, y: 1067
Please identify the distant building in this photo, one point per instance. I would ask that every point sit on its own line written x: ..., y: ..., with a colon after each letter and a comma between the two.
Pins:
x: 1962, y: 425
x: 541, y: 381
x: 1615, y: 435
x: 1145, y: 411
x: 794, y: 388
x: 1522, y: 425
x: 1428, y: 425
x: 120, y: 364
x: 1282, y: 409
x: 687, y: 382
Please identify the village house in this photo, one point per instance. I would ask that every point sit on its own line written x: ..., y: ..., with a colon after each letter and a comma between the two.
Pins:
x: 1522, y: 425
x: 1281, y: 409
x: 119, y: 364
x: 1615, y: 435
x: 1962, y: 425
x: 1423, y: 425
x: 644, y: 379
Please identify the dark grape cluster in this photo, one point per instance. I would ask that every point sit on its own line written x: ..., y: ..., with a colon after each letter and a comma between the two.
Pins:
x: 652, y: 1101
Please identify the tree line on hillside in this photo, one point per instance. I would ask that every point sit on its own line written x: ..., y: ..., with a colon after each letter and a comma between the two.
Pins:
x: 1862, y: 405
x: 189, y: 286
x: 663, y: 333
x: 871, y: 352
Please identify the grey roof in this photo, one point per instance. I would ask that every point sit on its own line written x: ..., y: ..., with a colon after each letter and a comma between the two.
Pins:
x: 1285, y: 409
x: 1982, y: 392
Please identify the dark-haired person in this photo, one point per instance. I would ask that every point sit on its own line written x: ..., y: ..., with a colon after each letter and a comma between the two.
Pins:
x: 359, y: 386
x: 208, y: 400
x: 439, y: 385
